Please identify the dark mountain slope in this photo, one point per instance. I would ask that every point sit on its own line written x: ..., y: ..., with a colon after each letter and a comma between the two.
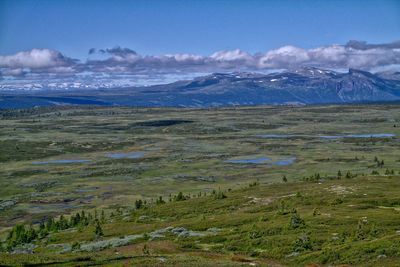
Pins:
x: 302, y: 86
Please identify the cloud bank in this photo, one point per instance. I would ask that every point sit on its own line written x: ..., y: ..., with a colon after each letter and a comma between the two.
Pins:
x: 36, y: 59
x: 120, y: 62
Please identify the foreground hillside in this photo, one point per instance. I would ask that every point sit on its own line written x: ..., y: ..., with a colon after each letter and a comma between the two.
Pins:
x: 351, y: 221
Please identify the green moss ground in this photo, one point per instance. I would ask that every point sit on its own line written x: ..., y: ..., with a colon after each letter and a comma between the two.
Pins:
x: 347, y: 221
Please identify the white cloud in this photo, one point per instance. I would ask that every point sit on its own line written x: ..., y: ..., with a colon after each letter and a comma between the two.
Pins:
x: 13, y: 72
x: 286, y: 56
x: 232, y: 55
x: 332, y: 55
x: 35, y: 58
x: 184, y: 57
x: 124, y: 61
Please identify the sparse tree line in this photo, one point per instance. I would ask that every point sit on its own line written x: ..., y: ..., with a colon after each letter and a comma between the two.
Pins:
x: 348, y: 175
x: 379, y: 163
x: 139, y: 203
x: 22, y: 234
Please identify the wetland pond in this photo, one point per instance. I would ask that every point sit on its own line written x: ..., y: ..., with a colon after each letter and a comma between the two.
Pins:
x: 258, y: 160
x: 285, y: 162
x: 128, y: 155
x: 261, y: 160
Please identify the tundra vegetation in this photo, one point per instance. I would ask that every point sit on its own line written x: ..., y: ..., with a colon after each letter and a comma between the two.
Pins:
x: 192, y: 194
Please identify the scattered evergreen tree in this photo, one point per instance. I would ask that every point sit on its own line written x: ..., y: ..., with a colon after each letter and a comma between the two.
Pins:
x: 90, y: 218
x: 31, y: 234
x: 316, y: 212
x: 138, y: 204
x: 98, y: 230
x: 160, y: 201
x: 302, y: 243
x: 380, y: 163
x: 254, y: 183
x: 50, y: 225
x: 282, y: 210
x: 389, y: 172
x: 63, y: 223
x: 145, y: 250
x: 296, y: 221
x: 219, y: 195
x: 42, y: 230
x: 83, y: 216
x: 76, y: 245
x: 284, y: 179
x: 180, y: 197
x: 103, y: 216
x: 75, y: 220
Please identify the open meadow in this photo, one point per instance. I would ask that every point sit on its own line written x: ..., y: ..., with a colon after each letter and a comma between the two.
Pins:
x: 265, y: 186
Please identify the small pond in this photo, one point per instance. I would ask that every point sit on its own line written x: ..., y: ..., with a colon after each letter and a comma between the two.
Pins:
x: 128, y: 155
x: 284, y: 162
x: 258, y: 160
x: 263, y: 159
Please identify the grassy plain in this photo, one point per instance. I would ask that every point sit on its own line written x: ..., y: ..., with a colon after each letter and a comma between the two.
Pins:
x: 351, y: 221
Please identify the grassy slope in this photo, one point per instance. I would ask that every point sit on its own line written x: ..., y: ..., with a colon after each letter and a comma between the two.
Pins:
x: 355, y: 222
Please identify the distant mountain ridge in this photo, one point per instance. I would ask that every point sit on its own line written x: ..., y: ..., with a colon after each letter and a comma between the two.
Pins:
x: 301, y: 86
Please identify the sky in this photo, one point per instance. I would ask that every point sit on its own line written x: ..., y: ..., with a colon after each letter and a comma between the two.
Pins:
x: 162, y: 39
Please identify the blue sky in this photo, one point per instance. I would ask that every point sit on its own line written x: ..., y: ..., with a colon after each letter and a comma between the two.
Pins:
x: 146, y: 42
x: 201, y: 27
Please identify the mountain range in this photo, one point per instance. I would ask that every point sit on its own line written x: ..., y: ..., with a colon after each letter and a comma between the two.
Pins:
x: 295, y: 87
